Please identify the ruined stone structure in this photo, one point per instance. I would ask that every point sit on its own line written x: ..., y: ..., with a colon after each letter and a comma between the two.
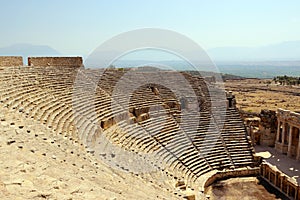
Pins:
x: 56, y: 61
x: 252, y: 125
x: 279, y: 180
x: 280, y: 130
x: 268, y: 127
x: 45, y: 94
x: 261, y: 127
x: 242, y: 172
x: 231, y: 103
x: 8, y: 61
x: 288, y: 133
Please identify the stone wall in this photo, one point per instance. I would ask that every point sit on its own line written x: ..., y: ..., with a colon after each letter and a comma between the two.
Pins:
x: 268, y: 127
x: 261, y: 127
x: 241, y: 172
x: 279, y: 180
x: 268, y: 172
x: 10, y: 61
x: 55, y: 61
x: 252, y: 127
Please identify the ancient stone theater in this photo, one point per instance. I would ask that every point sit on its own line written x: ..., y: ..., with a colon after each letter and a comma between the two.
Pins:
x: 52, y: 133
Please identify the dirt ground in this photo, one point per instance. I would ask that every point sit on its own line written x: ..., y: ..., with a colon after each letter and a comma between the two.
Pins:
x: 239, y: 188
x: 253, y: 95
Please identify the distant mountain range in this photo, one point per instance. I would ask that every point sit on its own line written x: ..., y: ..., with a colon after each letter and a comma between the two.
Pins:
x: 260, y: 62
x: 27, y: 50
x: 285, y: 51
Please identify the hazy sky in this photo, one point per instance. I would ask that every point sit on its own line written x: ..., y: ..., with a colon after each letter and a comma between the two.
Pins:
x: 77, y: 27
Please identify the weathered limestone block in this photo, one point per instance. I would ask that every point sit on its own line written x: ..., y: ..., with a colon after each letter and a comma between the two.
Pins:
x: 190, y: 197
x: 56, y: 61
x: 138, y: 111
x: 11, y: 61
x: 266, y: 136
x: 143, y: 117
x: 179, y: 183
x: 268, y: 127
x: 252, y: 125
x: 106, y: 123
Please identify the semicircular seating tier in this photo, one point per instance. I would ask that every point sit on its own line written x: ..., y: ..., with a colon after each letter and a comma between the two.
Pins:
x: 85, y: 104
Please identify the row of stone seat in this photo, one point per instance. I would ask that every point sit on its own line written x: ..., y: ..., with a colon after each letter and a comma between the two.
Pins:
x: 34, y: 100
x: 235, y: 137
x: 220, y: 150
x: 162, y: 136
x: 83, y: 104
